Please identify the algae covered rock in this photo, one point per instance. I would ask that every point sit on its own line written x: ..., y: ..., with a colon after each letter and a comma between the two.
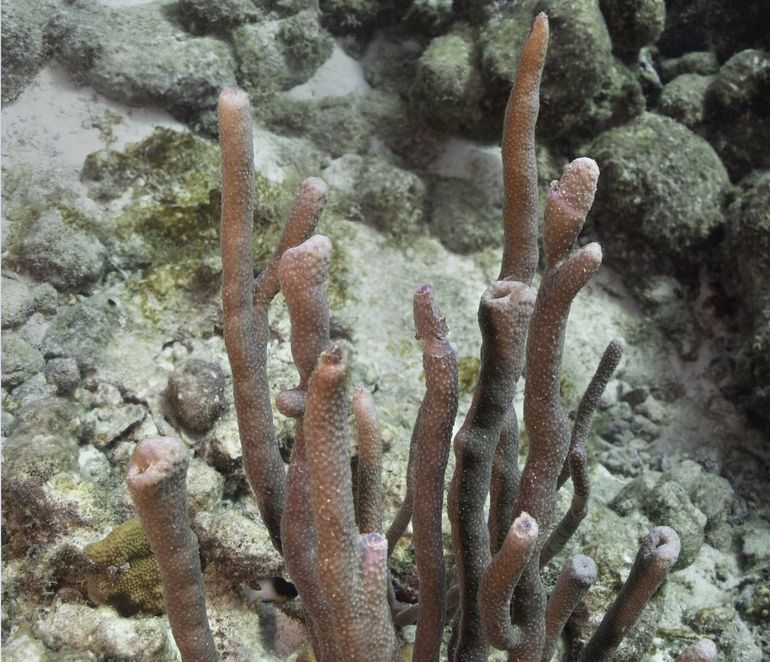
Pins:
x: 754, y: 365
x: 660, y: 194
x: 391, y: 198
x: 63, y: 373
x: 44, y: 441
x: 43, y: 444
x: 281, y: 53
x: 24, y: 648
x: 633, y: 24
x: 720, y: 26
x: 23, y: 42
x: 52, y: 250
x: 229, y: 539
x: 137, y: 55
x: 172, y: 210
x: 196, y: 391
x: 359, y: 16
x: 379, y: 193
x: 740, y: 90
x: 747, y: 257
x: 462, y: 217
x: 703, y: 63
x: 429, y: 16
x: 20, y: 360
x: 665, y: 503
x: 747, y: 241
x: 337, y: 125
x: 202, y: 16
x: 447, y: 86
x: 684, y: 99
x: 78, y: 630
x: 710, y: 494
x: 20, y: 300
x: 664, y: 300
x: 104, y: 424
x: 81, y: 332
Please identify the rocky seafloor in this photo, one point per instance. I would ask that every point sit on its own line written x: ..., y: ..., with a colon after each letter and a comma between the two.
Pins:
x: 111, y: 315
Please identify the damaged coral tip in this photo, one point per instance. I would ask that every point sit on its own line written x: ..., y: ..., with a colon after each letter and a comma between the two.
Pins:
x: 155, y: 455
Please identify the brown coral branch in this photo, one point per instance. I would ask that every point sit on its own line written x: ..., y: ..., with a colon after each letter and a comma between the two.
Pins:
x: 575, y: 578
x: 504, y: 311
x: 590, y: 400
x: 328, y: 456
x: 657, y: 554
x: 520, y: 204
x: 576, y: 465
x: 547, y: 425
x: 434, y: 437
x: 245, y: 302
x: 157, y: 477
x: 380, y: 635
x: 500, y: 579
x: 369, y: 494
x: 578, y: 509
x: 506, y: 477
x: 302, y: 272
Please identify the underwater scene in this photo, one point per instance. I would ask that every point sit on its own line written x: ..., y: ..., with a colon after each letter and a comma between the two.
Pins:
x: 375, y: 330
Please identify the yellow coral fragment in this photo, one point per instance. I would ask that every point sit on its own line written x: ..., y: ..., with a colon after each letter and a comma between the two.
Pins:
x: 127, y: 574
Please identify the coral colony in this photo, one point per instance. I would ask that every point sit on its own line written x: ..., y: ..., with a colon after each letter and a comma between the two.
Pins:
x: 332, y: 537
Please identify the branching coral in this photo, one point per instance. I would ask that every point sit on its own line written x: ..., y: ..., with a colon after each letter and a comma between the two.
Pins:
x: 331, y: 540
x: 157, y: 482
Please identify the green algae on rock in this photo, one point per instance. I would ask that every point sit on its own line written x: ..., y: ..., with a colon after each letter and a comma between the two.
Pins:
x: 137, y: 55
x: 654, y: 207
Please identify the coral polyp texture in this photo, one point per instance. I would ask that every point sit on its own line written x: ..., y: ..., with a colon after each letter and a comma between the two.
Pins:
x: 301, y: 360
x: 340, y: 567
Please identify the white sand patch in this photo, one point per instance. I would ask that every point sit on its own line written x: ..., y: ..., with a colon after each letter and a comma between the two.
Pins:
x: 339, y: 76
x: 56, y: 124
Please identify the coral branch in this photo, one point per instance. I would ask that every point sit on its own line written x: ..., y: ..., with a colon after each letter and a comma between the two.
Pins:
x: 369, y: 495
x: 575, y: 578
x: 380, y: 635
x: 499, y: 580
x: 578, y: 508
x: 590, y: 400
x: 433, y: 439
x: 657, y: 555
x: 245, y: 302
x: 328, y: 456
x: 504, y: 312
x: 157, y: 477
x: 519, y: 161
x: 301, y: 272
x: 544, y: 415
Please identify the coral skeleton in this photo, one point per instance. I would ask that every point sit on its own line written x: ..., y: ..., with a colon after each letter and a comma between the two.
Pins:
x: 332, y: 537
